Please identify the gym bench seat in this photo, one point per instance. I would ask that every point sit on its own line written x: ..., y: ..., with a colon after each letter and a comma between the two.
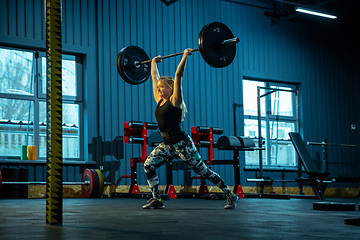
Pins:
x: 317, y: 179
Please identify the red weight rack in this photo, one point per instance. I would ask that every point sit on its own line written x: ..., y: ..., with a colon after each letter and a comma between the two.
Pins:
x: 204, y: 137
x: 136, y: 133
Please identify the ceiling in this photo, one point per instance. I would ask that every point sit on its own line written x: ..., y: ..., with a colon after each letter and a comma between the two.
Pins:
x: 283, y: 10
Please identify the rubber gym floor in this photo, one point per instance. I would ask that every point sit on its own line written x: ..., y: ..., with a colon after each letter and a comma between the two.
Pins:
x: 183, y: 218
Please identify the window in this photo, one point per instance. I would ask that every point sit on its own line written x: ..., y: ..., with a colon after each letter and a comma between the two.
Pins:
x: 23, y: 103
x: 278, y: 118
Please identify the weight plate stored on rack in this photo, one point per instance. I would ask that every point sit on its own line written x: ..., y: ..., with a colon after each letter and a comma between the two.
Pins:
x: 211, y: 46
x: 128, y: 67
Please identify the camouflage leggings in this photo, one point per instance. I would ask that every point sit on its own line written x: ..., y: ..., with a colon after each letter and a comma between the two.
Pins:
x: 187, y: 151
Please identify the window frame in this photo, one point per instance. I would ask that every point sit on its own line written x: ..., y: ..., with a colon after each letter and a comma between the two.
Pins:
x: 270, y: 117
x: 37, y: 96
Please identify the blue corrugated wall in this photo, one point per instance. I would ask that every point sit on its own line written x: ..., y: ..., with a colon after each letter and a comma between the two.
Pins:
x: 322, y: 60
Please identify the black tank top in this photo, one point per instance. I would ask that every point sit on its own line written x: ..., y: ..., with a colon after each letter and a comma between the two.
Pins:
x: 169, y: 122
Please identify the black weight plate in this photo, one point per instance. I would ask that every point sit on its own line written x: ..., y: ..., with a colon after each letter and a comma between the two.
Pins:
x: 353, y: 221
x: 334, y: 206
x: 214, y: 53
x: 128, y: 70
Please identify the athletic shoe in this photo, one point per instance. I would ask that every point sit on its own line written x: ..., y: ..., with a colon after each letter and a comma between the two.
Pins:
x: 154, y: 204
x: 231, y: 202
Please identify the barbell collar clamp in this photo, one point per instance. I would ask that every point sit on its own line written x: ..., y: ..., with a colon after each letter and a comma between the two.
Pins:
x: 231, y: 41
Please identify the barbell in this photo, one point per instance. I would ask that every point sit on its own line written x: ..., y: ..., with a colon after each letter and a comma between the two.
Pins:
x: 217, y: 46
x: 333, y: 144
x: 92, y: 183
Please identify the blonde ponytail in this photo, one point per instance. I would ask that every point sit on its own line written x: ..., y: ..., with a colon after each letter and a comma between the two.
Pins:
x: 184, y: 110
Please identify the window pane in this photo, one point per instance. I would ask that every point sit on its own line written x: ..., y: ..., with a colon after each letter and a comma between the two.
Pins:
x: 70, y: 114
x: 16, y: 125
x: 250, y: 98
x: 70, y: 130
x: 251, y: 128
x: 282, y: 154
x: 16, y: 72
x: 281, y: 102
x: 16, y: 110
x: 282, y: 150
x: 42, y: 129
x: 70, y: 121
x: 252, y: 157
x: 280, y: 130
x: 68, y: 77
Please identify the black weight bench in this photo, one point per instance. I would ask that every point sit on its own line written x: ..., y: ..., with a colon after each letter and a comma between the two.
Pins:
x: 235, y: 144
x: 316, y: 179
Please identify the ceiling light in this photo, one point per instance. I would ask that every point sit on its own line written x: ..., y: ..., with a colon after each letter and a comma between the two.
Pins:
x: 313, y: 12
